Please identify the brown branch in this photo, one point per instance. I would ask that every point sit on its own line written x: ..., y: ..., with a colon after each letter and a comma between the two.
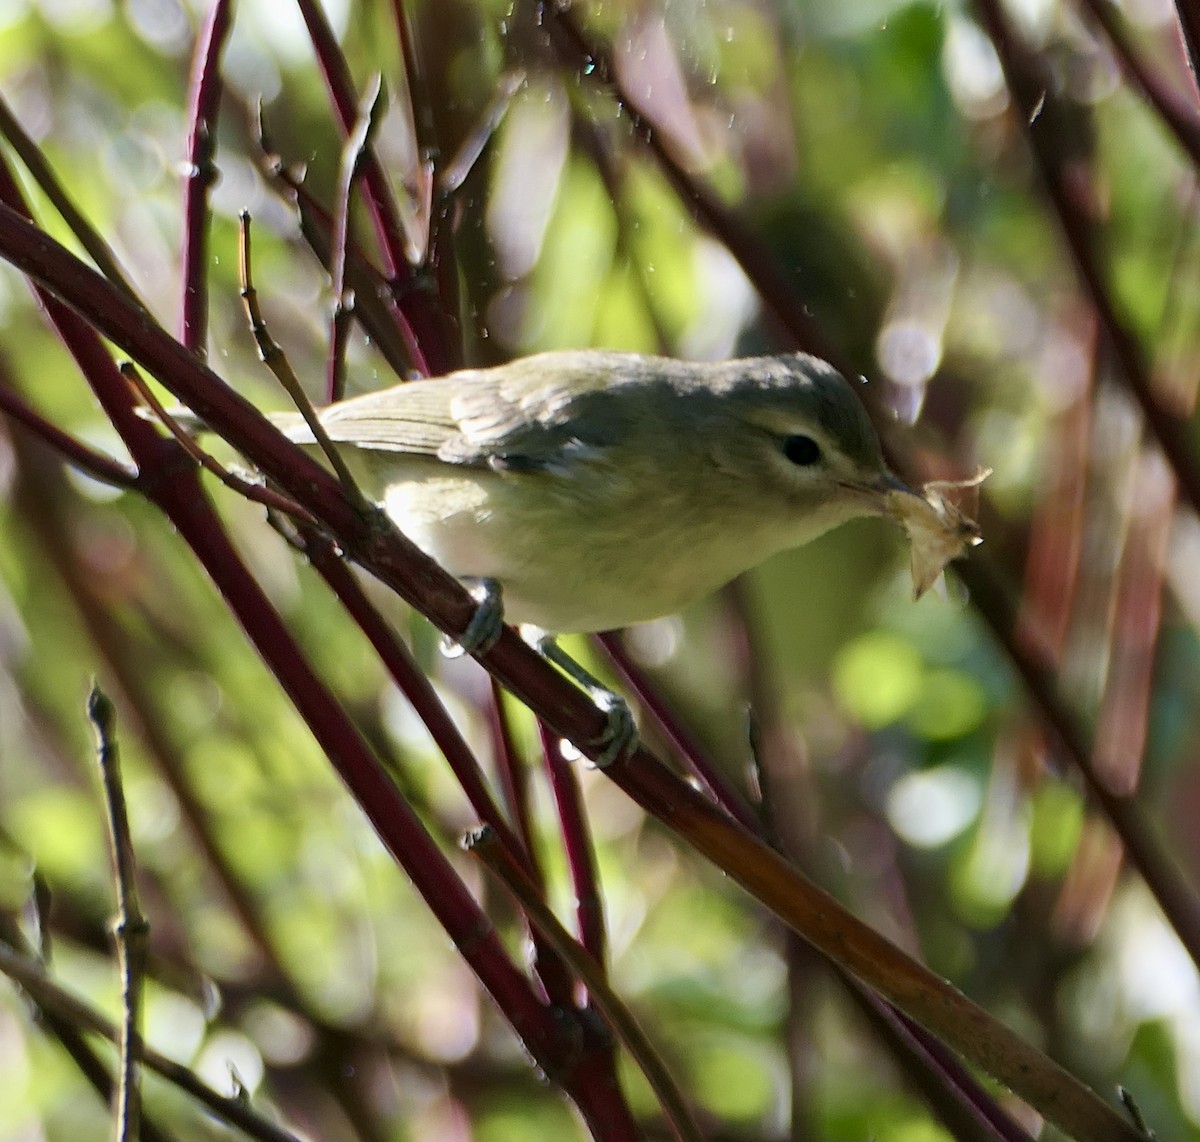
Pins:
x: 579, y: 848
x: 429, y: 329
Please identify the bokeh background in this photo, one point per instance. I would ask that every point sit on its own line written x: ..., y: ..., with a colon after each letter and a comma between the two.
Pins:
x: 875, y: 159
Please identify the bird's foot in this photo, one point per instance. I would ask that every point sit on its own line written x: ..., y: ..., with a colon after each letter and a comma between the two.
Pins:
x: 486, y: 623
x: 619, y: 738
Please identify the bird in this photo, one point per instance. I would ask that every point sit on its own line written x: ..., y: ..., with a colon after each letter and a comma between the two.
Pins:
x: 597, y: 489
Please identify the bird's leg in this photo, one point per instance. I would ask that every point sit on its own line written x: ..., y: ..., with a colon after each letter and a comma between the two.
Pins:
x: 486, y: 623
x: 620, y: 737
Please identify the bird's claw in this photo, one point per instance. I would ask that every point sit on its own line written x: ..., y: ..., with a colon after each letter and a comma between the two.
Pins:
x: 619, y: 738
x: 486, y: 625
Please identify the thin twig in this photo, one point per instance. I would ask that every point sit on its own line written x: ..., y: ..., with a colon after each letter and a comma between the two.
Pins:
x: 1175, y: 896
x: 428, y: 238
x: 515, y: 782
x: 71, y: 1037
x: 693, y: 755
x: 276, y: 360
x: 424, y: 127
x: 1178, y: 115
x: 39, y: 498
x: 340, y: 85
x: 259, y: 493
x: 514, y: 779
x: 95, y: 464
x: 484, y: 845
x: 410, y: 680
x: 1038, y: 110
x: 455, y: 172
x: 130, y: 927
x: 1135, y: 1112
x: 353, y: 161
x: 587, y: 57
x: 89, y: 238
x: 789, y: 817
x: 1188, y: 12
x: 375, y: 301
x: 32, y: 978
x: 428, y: 324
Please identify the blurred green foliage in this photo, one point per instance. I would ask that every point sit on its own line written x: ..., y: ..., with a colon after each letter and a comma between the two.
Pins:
x: 871, y: 148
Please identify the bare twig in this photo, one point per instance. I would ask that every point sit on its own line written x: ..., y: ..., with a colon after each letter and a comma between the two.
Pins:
x: 455, y: 172
x: 424, y: 128
x: 276, y: 360
x: 583, y: 56
x: 693, y: 755
x: 412, y: 683
x: 353, y: 161
x: 38, y: 497
x: 375, y: 303
x: 514, y: 777
x: 1135, y: 1112
x: 514, y: 780
x: 429, y: 329
x: 1189, y: 24
x: 1176, y: 112
x: 31, y: 976
x: 1039, y: 113
x: 130, y: 927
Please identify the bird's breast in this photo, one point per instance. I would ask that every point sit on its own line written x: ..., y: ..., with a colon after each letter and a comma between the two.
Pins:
x: 574, y: 551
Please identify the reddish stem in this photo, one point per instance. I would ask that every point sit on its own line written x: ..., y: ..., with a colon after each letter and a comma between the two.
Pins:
x: 87, y: 460
x: 1189, y: 26
x: 580, y: 850
x: 1035, y: 97
x: 583, y: 56
x: 1176, y: 898
x: 702, y: 767
x: 1175, y: 110
x: 429, y: 333
x: 414, y: 685
x: 203, y: 109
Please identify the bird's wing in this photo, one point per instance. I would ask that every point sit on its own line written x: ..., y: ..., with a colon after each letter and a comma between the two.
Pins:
x: 526, y: 415
x: 413, y: 417
x: 537, y: 411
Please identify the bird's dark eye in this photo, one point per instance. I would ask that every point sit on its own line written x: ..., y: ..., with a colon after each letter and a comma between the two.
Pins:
x: 802, y: 450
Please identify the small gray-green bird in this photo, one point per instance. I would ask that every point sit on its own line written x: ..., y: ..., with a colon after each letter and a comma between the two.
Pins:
x: 600, y: 489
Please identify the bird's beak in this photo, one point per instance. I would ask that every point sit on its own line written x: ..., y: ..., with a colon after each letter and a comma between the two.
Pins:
x: 877, y: 491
